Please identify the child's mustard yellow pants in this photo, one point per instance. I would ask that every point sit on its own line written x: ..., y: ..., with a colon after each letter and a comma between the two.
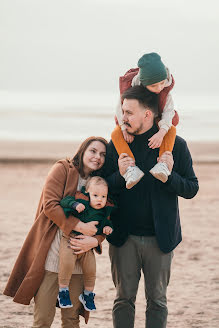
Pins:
x: 122, y: 146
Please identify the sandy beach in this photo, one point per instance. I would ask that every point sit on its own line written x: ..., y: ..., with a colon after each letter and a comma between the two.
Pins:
x: 63, y: 68
x: 193, y: 293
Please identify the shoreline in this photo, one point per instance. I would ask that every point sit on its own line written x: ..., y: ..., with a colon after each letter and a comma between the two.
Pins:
x: 50, y: 151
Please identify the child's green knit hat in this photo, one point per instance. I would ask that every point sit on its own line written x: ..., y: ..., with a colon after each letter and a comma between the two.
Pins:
x: 152, y: 70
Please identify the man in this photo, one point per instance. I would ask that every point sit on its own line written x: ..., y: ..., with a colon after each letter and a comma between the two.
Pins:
x: 146, y: 223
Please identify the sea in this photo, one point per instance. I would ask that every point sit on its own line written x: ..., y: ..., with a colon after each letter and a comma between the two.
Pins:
x: 73, y: 116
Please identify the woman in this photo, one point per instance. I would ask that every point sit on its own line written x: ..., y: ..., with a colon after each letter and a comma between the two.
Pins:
x: 35, y: 271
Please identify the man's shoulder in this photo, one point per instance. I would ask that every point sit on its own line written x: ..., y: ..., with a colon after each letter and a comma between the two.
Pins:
x: 111, y: 148
x: 180, y: 149
x: 180, y: 142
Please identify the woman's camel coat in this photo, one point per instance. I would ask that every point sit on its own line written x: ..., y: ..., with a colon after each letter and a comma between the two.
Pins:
x: 28, y: 271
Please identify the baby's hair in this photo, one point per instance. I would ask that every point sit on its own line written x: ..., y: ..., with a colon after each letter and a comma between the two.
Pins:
x: 96, y: 180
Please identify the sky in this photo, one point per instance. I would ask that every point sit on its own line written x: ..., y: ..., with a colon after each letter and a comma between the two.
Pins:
x: 67, y: 45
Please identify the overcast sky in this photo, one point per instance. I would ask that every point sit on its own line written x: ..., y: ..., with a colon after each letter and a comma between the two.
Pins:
x: 68, y: 45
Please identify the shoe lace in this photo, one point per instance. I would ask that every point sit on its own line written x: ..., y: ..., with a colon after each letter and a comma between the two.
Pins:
x: 64, y: 294
x: 130, y: 171
x: 89, y: 298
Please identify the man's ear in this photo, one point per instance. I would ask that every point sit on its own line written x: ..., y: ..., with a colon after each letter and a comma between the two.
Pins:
x: 148, y: 113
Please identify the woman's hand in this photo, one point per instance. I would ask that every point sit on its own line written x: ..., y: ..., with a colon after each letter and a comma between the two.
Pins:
x: 81, y: 244
x: 88, y: 229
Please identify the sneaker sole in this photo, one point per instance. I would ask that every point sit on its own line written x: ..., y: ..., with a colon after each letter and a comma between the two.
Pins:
x: 64, y: 307
x: 132, y: 184
x: 159, y: 176
x: 82, y: 301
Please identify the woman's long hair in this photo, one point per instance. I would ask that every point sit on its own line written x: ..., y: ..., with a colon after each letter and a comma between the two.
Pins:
x: 78, y: 157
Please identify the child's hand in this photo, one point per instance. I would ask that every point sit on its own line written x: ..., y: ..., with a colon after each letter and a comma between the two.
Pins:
x: 107, y: 230
x: 156, y: 140
x: 80, y: 208
x: 128, y: 137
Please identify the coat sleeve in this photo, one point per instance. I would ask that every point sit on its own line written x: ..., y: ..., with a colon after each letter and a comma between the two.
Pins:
x: 119, y: 114
x: 183, y: 180
x: 52, y: 194
x: 168, y: 114
x: 69, y: 202
x: 108, y: 223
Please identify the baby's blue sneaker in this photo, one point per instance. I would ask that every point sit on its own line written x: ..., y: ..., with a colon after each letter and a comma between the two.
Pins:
x: 64, y: 298
x: 88, y: 301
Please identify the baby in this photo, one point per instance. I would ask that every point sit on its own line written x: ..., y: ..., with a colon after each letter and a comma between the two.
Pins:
x: 89, y: 205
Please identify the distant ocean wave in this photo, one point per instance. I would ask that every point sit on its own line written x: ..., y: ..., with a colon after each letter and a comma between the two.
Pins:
x: 67, y: 116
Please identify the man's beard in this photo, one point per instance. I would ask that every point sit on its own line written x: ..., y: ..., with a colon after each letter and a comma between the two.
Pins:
x: 137, y: 131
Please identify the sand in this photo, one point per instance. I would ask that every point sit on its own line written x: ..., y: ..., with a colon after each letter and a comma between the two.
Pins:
x: 193, y: 293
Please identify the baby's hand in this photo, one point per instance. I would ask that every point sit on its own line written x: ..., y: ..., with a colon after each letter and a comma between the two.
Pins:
x: 156, y: 140
x: 128, y: 137
x: 80, y: 208
x: 107, y: 230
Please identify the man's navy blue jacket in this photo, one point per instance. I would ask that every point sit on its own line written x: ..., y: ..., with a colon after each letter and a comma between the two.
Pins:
x: 163, y: 197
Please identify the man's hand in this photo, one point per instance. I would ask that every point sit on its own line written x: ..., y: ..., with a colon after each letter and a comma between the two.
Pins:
x: 107, y: 230
x: 167, y: 158
x: 156, y: 140
x: 80, y: 208
x: 124, y: 162
x: 128, y: 137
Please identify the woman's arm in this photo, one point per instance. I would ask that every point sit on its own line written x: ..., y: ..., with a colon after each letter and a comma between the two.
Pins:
x: 52, y: 195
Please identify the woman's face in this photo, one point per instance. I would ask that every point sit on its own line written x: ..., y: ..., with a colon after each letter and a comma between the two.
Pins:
x: 94, y: 157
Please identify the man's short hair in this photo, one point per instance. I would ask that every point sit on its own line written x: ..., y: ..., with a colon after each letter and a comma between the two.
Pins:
x: 146, y: 98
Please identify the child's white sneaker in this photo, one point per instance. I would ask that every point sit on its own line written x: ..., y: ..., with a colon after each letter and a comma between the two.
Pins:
x: 160, y: 171
x: 132, y: 176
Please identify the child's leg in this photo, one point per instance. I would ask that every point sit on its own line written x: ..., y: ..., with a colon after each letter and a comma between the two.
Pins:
x: 168, y: 141
x: 133, y: 174
x: 120, y: 143
x: 88, y: 265
x: 67, y: 261
x: 160, y: 171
